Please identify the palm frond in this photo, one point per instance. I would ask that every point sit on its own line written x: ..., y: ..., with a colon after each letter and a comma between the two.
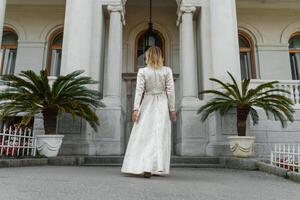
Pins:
x: 234, y: 86
x: 267, y: 96
x: 254, y: 116
x: 31, y: 93
x: 228, y: 89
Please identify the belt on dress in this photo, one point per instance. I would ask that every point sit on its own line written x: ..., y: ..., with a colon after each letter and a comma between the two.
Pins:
x: 155, y: 93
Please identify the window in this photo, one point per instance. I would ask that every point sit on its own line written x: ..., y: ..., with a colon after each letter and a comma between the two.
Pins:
x: 8, y: 51
x: 141, y: 48
x: 55, y: 53
x: 294, y: 46
x: 246, y: 56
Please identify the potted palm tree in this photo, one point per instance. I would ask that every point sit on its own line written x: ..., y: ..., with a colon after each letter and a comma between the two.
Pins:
x: 31, y: 94
x: 246, y: 101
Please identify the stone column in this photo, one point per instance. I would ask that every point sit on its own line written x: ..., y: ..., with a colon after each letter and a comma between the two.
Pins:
x: 77, y: 55
x: 190, y: 138
x: 224, y: 57
x: 77, y: 36
x: 2, y: 16
x: 112, y: 88
x: 188, y: 59
x: 111, y: 136
x: 224, y: 35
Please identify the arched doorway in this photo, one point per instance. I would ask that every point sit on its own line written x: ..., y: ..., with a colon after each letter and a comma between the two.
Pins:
x: 141, y: 47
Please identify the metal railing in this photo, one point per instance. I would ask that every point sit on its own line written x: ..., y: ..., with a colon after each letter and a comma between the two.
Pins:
x: 286, y: 156
x: 16, y: 142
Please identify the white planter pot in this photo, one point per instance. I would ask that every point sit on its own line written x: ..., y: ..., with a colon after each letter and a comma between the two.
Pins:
x: 241, y: 146
x: 49, y: 145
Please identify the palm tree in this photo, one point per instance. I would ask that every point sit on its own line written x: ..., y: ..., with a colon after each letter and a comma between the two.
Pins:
x: 30, y: 93
x: 266, y: 96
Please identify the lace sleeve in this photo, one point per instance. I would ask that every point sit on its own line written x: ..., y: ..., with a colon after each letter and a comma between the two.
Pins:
x: 170, y: 90
x: 140, y: 88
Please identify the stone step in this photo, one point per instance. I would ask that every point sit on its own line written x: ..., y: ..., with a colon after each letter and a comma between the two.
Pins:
x: 173, y: 165
x: 175, y: 160
x: 103, y: 159
x: 195, y: 160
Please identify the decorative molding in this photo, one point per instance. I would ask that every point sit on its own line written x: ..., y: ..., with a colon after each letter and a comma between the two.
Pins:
x: 184, y: 10
x: 187, y: 9
x: 17, y: 28
x: 31, y: 44
x: 288, y: 31
x: 252, y: 31
x: 49, y: 29
x: 117, y: 8
x: 273, y: 47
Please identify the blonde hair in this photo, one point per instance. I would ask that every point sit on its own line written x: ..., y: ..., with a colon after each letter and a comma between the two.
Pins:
x: 154, y: 57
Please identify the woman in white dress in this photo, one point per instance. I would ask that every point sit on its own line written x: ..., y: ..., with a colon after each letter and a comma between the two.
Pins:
x: 149, y: 147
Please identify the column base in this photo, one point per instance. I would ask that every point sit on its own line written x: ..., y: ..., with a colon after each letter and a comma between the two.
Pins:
x: 77, y: 147
x: 110, y: 140
x: 191, y: 137
x: 218, y: 149
x: 91, y: 148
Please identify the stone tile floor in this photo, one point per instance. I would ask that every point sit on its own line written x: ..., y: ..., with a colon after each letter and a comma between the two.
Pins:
x: 107, y: 183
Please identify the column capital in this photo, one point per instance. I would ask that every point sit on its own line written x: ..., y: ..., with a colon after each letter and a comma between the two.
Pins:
x: 184, y: 10
x: 187, y: 9
x: 117, y: 8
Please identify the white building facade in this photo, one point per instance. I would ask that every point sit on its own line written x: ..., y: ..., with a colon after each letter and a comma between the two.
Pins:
x: 200, y: 39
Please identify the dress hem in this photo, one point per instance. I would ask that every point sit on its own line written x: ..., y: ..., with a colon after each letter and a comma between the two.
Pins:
x: 141, y: 173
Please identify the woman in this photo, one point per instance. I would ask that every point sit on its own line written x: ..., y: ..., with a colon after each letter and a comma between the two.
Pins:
x: 149, y: 147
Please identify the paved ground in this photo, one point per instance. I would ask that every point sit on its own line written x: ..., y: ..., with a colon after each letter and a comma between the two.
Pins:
x: 103, y: 183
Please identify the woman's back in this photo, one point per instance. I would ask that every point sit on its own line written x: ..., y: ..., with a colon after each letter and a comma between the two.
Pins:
x: 151, y: 81
x: 156, y: 78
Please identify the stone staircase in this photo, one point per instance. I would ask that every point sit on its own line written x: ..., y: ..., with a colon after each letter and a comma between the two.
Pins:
x: 176, y: 161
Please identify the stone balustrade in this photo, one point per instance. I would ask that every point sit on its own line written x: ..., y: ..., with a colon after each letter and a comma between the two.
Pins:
x: 293, y: 86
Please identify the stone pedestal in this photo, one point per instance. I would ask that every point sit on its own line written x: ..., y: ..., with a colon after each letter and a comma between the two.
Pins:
x: 110, y: 138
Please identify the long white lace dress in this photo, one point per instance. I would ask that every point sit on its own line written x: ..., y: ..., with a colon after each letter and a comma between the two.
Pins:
x: 149, y: 146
